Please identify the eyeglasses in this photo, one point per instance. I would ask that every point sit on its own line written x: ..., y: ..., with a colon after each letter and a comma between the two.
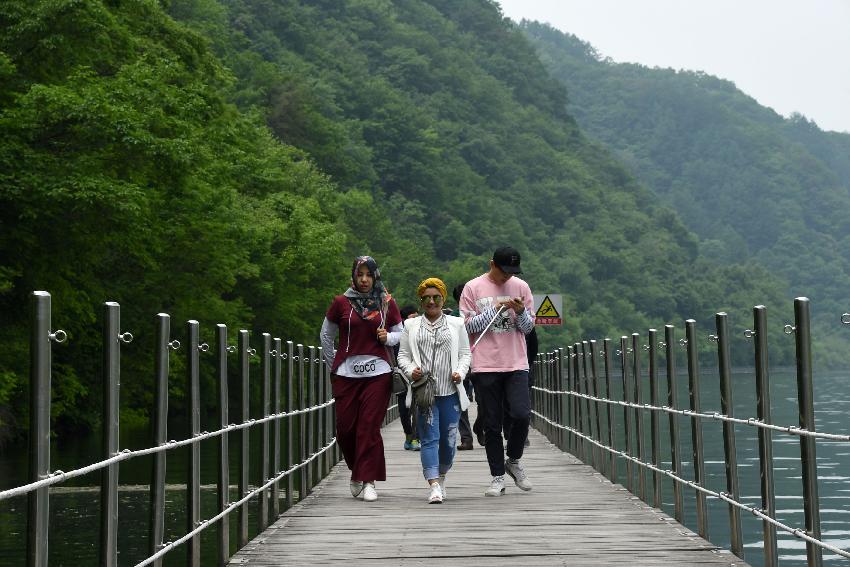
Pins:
x: 430, y: 298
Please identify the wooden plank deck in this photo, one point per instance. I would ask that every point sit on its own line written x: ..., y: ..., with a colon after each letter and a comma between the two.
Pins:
x: 574, y: 516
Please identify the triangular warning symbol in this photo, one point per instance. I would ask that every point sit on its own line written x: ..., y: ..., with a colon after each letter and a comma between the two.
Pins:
x: 547, y: 309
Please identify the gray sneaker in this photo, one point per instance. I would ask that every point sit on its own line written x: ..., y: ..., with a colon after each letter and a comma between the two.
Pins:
x: 356, y: 487
x: 497, y: 486
x: 516, y: 472
x: 443, y: 485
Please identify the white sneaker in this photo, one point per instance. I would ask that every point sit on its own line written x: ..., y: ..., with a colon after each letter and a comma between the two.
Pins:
x: 436, y: 494
x: 356, y: 488
x: 443, y: 485
x: 369, y: 492
x: 518, y: 474
x: 497, y: 486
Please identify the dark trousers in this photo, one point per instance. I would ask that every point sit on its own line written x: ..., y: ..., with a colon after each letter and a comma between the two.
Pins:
x: 494, y: 390
x: 361, y: 404
x: 506, y: 413
x: 463, y: 425
x: 408, y: 421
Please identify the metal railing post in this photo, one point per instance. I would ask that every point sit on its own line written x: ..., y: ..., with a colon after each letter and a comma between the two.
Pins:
x: 627, y: 415
x: 265, y: 397
x: 590, y: 452
x: 729, y: 448
x: 637, y: 382
x: 337, y: 455
x: 562, y: 401
x: 551, y: 399
x: 599, y: 458
x: 696, y: 425
x: 193, y: 415
x: 768, y: 500
x: 570, y: 400
x: 108, y: 551
x: 320, y: 414
x: 654, y: 425
x: 223, y: 479
x: 311, y: 425
x: 303, y: 488
x: 290, y: 369
x: 245, y: 444
x: 612, y: 462
x: 331, y: 416
x: 160, y: 432
x: 805, y: 399
x: 672, y: 401
x: 579, y: 413
x: 554, y: 399
x: 276, y: 372
x: 38, y: 501
x: 534, y: 376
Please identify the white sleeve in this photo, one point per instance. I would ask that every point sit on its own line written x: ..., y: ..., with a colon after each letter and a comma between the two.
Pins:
x: 394, y: 335
x: 405, y: 358
x: 326, y: 336
x: 464, y: 354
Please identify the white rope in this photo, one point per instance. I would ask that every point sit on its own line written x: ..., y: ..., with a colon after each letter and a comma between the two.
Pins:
x: 751, y: 421
x: 204, y: 524
x: 796, y: 532
x: 59, y: 476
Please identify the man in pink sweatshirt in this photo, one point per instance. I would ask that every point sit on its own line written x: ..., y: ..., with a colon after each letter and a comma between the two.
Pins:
x: 499, y: 361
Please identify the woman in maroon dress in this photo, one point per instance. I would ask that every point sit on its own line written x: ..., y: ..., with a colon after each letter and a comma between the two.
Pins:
x: 367, y: 321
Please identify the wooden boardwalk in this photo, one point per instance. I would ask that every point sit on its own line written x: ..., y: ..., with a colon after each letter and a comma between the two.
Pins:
x: 574, y: 516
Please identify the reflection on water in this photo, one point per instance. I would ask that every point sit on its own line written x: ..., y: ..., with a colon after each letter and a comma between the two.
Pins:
x: 75, y: 505
x: 831, y: 410
x: 75, y: 508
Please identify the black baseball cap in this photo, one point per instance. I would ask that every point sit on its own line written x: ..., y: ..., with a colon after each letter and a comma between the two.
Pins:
x: 507, y: 258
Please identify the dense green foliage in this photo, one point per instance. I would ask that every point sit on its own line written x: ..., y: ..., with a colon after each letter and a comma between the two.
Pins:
x: 223, y: 160
x: 126, y: 175
x: 462, y: 125
x: 755, y: 187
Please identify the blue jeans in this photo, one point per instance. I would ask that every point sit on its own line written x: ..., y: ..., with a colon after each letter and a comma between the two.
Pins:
x: 438, y: 435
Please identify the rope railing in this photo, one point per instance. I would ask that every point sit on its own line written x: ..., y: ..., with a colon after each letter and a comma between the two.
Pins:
x: 58, y: 476
x: 575, y: 407
x: 750, y: 421
x: 796, y: 532
x: 169, y: 546
x: 295, y: 395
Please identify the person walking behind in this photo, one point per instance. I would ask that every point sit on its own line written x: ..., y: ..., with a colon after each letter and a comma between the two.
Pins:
x: 463, y: 425
x: 361, y: 376
x: 435, y: 347
x: 503, y: 301
x: 405, y: 414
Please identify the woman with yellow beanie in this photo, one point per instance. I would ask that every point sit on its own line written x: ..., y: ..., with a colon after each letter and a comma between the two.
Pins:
x: 435, y: 348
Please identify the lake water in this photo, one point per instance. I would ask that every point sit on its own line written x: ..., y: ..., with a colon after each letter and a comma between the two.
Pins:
x: 75, y: 505
x: 832, y: 415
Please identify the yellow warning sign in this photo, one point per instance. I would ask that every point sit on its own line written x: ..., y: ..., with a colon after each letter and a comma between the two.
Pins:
x: 548, y: 309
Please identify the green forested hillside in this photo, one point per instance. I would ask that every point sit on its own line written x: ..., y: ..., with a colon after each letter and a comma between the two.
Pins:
x: 224, y: 160
x: 755, y: 187
x: 453, y: 116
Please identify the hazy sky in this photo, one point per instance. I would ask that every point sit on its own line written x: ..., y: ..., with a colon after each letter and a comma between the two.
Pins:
x: 790, y: 55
